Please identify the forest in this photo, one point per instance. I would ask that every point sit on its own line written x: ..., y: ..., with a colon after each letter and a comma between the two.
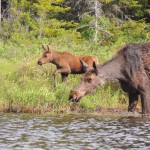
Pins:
x: 81, y: 27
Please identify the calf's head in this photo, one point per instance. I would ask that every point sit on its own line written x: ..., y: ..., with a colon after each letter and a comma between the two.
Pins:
x: 88, y: 84
x: 46, y: 57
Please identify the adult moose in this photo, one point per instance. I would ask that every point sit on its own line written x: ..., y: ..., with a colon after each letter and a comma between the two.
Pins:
x: 66, y: 62
x: 131, y: 67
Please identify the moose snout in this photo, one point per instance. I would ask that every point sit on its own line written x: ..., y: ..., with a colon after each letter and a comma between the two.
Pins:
x: 39, y: 62
x: 74, y: 96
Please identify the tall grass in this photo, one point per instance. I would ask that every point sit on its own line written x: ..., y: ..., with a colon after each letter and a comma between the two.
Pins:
x: 26, y: 87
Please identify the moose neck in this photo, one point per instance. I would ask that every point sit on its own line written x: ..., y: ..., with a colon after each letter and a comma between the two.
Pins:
x: 55, y: 56
x: 111, y: 70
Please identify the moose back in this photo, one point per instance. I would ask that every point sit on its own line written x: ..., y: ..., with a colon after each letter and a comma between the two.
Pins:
x: 130, y: 66
x: 66, y: 63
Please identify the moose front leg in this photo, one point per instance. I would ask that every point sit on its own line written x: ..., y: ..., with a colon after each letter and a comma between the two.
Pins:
x: 144, y: 90
x: 145, y: 99
x: 133, y: 100
x: 65, y: 71
x: 132, y: 95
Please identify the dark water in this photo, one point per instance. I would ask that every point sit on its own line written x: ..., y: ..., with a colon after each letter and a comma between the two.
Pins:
x: 19, y: 131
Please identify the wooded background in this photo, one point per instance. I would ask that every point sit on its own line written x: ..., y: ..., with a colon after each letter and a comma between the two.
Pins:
x: 100, y: 21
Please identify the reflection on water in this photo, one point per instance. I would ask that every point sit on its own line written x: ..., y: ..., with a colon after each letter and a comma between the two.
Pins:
x: 73, y: 132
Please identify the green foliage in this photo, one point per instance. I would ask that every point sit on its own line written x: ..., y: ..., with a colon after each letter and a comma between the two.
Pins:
x: 30, y: 20
x: 27, y: 88
x: 136, y: 8
x: 85, y: 27
x: 113, y: 30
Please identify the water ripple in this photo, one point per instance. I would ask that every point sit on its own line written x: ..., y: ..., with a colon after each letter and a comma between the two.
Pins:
x: 72, y: 132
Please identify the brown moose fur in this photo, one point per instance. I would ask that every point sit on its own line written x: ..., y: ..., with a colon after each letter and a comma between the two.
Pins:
x: 66, y: 63
x: 131, y: 67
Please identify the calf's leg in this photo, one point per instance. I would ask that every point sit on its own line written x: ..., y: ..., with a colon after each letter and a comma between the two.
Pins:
x: 64, y: 77
x: 61, y: 71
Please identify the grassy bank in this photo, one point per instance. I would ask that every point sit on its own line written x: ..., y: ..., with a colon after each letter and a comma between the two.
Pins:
x: 82, y: 28
x: 26, y: 87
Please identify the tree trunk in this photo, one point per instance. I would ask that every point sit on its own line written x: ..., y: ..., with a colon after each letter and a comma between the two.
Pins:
x: 96, y: 18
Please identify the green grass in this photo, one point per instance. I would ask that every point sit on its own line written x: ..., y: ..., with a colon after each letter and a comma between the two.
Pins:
x: 26, y: 87
x: 6, y: 66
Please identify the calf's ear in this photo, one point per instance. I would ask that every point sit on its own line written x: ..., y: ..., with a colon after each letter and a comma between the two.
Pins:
x: 43, y: 46
x: 48, y: 49
x: 85, y: 66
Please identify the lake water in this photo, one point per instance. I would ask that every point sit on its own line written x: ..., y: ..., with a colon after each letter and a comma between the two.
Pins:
x: 73, y: 132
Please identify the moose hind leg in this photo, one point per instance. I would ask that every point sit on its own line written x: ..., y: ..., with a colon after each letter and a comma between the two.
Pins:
x: 55, y: 82
x: 133, y: 100
x: 64, y: 77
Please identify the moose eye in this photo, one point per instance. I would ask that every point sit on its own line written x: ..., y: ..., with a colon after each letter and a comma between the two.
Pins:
x: 45, y: 56
x: 89, y: 80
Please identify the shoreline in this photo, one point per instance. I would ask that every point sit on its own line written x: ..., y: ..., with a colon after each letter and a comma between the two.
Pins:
x: 100, y: 111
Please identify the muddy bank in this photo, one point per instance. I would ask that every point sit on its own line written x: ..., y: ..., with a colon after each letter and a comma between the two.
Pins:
x: 70, y: 109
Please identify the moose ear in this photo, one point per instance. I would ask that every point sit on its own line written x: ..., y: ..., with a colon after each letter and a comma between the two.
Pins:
x: 44, y: 48
x: 95, y: 67
x: 48, y: 49
x: 85, y: 66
